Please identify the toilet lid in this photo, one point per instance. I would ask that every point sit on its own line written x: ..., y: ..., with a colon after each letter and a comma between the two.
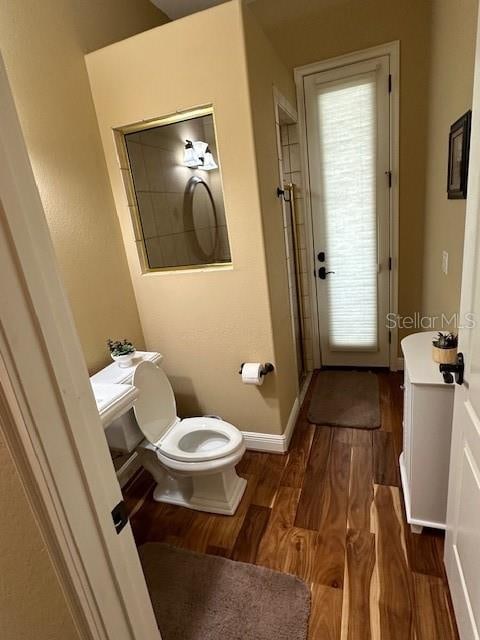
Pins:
x: 155, y: 408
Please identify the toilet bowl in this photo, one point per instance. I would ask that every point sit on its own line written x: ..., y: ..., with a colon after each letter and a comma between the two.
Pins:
x: 192, y: 460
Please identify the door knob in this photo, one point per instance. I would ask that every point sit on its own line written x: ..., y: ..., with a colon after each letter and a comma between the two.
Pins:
x: 457, y: 369
x: 323, y: 273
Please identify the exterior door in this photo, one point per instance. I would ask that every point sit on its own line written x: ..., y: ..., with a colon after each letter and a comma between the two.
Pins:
x: 348, y: 124
x: 462, y: 548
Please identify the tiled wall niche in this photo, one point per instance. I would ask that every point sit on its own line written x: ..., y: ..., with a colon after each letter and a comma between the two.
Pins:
x: 171, y: 237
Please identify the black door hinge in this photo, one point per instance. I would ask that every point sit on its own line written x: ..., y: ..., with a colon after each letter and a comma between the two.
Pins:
x: 389, y: 337
x: 390, y: 264
x: 389, y: 83
x: 389, y: 178
x: 119, y: 516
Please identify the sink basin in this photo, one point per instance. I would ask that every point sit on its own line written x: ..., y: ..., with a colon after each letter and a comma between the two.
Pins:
x: 113, y: 400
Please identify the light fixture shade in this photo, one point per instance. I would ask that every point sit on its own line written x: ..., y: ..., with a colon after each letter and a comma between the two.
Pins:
x: 208, y: 161
x: 190, y: 157
x: 200, y: 148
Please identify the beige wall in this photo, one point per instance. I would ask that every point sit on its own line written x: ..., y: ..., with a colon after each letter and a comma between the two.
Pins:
x: 204, y: 322
x: 32, y: 604
x: 303, y: 32
x: 451, y: 84
x: 265, y: 70
x: 43, y: 44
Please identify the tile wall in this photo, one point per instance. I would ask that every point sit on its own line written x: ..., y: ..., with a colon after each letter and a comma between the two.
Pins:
x: 292, y: 173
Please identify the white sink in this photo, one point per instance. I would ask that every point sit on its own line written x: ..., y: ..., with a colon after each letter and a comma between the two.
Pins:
x: 115, y: 396
x: 113, y: 400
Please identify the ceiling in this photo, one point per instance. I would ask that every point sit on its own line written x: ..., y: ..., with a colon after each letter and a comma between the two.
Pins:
x: 178, y: 8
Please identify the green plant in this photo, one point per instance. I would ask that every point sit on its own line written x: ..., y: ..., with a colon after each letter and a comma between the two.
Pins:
x: 445, y: 340
x: 120, y: 347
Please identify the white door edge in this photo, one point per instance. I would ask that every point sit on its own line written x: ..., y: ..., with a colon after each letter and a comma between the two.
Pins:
x: 392, y: 49
x: 50, y: 420
x: 466, y: 427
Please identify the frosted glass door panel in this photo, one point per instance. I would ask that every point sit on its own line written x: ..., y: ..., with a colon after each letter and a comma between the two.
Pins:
x: 347, y: 127
x: 347, y: 113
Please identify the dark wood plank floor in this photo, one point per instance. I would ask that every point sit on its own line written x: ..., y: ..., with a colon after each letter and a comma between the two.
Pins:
x: 331, y: 512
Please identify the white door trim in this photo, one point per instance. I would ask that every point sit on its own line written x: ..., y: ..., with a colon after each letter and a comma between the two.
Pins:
x: 49, y: 416
x: 392, y: 49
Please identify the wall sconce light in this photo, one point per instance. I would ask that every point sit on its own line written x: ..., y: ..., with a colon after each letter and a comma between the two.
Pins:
x: 208, y: 161
x: 200, y: 148
x: 197, y: 155
x: 190, y: 157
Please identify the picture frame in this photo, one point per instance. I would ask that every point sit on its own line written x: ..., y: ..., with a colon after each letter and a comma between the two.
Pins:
x: 458, y: 153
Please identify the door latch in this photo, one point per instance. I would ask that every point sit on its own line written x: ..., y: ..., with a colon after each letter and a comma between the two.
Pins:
x: 119, y: 516
x: 457, y: 369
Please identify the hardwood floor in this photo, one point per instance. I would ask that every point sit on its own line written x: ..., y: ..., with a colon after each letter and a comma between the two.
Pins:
x: 331, y: 512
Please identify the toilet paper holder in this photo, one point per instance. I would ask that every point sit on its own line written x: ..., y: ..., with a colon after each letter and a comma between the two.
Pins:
x: 266, y: 368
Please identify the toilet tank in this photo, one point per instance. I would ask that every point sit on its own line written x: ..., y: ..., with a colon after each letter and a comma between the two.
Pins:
x: 123, y: 433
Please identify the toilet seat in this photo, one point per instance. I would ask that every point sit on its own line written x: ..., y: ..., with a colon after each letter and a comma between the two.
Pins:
x: 200, y: 439
x: 190, y: 440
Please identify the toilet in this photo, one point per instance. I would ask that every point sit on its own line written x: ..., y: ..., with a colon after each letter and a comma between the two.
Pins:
x: 192, y: 460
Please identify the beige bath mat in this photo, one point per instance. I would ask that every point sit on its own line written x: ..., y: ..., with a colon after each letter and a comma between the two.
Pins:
x: 202, y: 597
x: 346, y: 399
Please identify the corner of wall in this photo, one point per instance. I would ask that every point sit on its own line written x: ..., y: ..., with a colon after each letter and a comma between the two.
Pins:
x: 266, y: 71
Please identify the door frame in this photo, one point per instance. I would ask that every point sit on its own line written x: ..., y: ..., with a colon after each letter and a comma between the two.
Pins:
x: 49, y: 417
x: 391, y: 49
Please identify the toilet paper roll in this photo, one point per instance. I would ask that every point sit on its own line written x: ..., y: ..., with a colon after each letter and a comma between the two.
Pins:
x: 251, y: 373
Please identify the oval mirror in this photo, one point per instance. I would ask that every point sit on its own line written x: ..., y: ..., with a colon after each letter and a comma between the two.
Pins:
x: 201, y: 216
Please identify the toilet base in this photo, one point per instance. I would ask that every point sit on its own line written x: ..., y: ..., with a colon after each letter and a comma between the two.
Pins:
x: 215, y: 493
x: 219, y: 493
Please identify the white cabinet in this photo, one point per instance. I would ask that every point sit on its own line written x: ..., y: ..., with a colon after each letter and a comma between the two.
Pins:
x: 427, y: 429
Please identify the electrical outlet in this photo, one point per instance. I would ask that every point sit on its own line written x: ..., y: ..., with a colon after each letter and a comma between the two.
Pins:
x: 445, y: 262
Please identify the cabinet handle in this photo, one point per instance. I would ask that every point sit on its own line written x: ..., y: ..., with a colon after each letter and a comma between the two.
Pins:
x: 402, y: 387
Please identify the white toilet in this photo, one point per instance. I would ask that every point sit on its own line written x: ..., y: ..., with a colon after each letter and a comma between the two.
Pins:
x: 192, y: 460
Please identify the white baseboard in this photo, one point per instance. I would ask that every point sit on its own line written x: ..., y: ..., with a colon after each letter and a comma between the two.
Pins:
x: 278, y: 443
x: 266, y: 442
x: 304, y: 389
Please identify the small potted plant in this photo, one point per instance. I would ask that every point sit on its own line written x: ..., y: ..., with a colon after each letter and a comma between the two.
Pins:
x: 445, y: 348
x: 122, y: 351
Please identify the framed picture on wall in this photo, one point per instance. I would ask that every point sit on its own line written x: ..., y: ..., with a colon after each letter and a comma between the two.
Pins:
x: 458, y: 150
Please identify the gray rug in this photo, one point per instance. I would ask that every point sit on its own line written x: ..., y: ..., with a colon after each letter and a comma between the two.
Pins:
x: 346, y: 399
x: 202, y: 597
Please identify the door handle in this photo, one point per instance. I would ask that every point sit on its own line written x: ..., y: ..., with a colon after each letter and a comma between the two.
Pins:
x: 321, y: 256
x: 323, y: 273
x: 457, y: 369
x: 119, y: 516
